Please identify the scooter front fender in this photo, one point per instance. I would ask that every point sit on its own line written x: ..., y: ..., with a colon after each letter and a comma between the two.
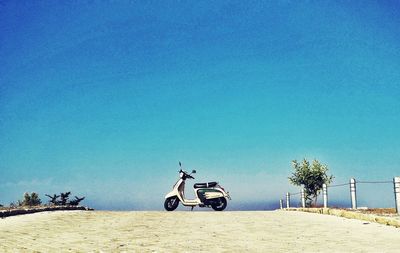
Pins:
x: 171, y: 194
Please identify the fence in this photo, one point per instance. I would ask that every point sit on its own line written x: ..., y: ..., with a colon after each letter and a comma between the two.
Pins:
x: 353, y: 193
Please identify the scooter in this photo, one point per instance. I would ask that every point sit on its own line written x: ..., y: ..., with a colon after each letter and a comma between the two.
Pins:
x: 209, y: 194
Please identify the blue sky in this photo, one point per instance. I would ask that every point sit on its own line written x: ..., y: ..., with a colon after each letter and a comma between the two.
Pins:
x: 104, y: 99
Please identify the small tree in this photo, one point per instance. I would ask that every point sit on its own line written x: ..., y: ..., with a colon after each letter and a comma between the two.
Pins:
x: 35, y: 200
x: 30, y: 199
x: 76, y: 201
x: 64, y: 198
x: 53, y: 199
x: 26, y: 201
x: 311, y: 178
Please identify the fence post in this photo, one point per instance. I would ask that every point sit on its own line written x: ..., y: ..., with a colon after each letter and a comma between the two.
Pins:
x: 287, y: 200
x: 396, y: 185
x: 281, y: 204
x: 325, y: 195
x: 303, y: 198
x: 353, y: 194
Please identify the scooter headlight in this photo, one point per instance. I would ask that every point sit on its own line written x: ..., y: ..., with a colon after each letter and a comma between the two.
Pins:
x: 181, y: 174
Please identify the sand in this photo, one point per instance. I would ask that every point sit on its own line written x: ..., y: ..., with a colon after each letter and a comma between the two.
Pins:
x: 262, y: 231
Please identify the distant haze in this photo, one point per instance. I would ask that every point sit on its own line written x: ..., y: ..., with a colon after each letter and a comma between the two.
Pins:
x: 103, y: 99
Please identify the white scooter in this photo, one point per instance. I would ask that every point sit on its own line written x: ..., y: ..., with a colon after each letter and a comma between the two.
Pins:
x: 207, y: 194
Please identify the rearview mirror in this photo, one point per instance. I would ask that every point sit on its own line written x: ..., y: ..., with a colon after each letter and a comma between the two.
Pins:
x: 193, y: 171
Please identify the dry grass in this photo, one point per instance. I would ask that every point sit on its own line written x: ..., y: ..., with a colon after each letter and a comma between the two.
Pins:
x: 379, y: 211
x: 375, y: 211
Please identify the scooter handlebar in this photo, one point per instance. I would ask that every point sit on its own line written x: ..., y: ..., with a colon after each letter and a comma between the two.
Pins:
x: 187, y: 175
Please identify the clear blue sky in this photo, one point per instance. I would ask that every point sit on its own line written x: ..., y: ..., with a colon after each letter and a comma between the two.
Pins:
x: 104, y: 99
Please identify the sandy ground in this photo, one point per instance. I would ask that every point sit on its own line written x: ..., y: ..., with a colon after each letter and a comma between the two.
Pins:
x: 262, y: 231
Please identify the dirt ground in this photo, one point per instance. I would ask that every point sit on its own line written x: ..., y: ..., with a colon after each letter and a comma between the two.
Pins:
x: 258, y: 231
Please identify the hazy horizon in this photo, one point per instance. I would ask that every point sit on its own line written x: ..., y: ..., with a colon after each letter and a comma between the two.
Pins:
x: 103, y: 99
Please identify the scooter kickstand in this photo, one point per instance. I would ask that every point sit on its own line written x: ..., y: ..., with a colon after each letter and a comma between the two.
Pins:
x: 192, y: 208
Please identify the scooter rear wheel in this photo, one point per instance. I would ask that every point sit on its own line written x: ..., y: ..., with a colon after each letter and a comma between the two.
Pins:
x: 171, y: 203
x: 221, y: 205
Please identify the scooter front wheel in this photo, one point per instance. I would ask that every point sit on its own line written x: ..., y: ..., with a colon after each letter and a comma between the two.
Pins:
x: 171, y: 203
x: 220, y: 205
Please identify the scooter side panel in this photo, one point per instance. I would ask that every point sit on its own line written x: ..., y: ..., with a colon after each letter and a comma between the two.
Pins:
x: 209, y: 193
x: 213, y: 195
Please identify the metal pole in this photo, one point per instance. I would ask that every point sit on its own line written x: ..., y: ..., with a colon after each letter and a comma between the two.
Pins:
x: 281, y: 204
x: 325, y: 195
x: 303, y: 198
x: 287, y: 200
x: 353, y: 194
x: 396, y: 184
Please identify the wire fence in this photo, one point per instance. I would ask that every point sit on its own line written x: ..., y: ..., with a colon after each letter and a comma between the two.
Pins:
x: 353, y: 192
x: 337, y: 185
x: 375, y: 182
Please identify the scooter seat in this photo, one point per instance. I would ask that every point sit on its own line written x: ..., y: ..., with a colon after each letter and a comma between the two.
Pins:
x: 205, y: 185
